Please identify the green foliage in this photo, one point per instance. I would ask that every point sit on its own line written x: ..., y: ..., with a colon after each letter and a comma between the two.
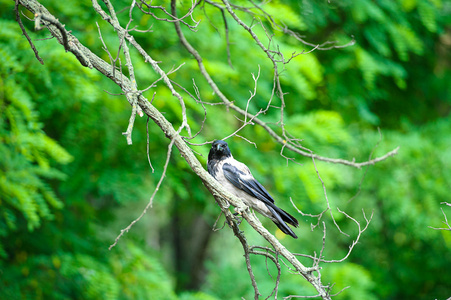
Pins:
x: 28, y: 155
x: 93, y: 277
x: 390, y: 45
x: 197, y: 296
x: 356, y: 277
x: 135, y: 268
x: 408, y: 200
x: 128, y: 274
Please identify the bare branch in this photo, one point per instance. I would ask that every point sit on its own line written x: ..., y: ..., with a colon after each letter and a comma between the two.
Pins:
x: 147, y: 58
x: 315, y: 296
x: 226, y: 28
x: 216, y: 222
x: 446, y: 219
x: 318, y: 216
x: 316, y: 260
x: 128, y: 133
x: 149, y: 205
x: 240, y: 235
x: 246, y: 121
x: 173, y: 16
x: 50, y: 19
x: 132, y: 93
x: 105, y: 48
x: 148, y: 138
x: 327, y: 199
x: 361, y: 230
x: 275, y: 260
x: 283, y: 140
x: 58, y: 30
x: 198, y: 100
x: 24, y: 32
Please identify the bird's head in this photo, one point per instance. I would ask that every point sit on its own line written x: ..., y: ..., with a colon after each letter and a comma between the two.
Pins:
x: 219, y: 150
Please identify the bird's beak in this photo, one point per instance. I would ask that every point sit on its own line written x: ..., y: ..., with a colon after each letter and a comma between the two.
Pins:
x: 219, y: 147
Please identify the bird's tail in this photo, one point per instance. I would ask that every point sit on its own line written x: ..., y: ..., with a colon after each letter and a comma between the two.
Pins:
x: 281, y: 217
x: 288, y: 218
x: 286, y: 229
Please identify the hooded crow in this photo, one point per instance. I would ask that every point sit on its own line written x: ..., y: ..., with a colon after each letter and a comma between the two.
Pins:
x: 238, y: 180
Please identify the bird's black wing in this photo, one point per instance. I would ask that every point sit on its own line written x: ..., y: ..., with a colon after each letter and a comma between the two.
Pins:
x: 247, y: 183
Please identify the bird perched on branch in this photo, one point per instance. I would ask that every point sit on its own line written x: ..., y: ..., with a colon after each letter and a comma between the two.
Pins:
x: 238, y: 180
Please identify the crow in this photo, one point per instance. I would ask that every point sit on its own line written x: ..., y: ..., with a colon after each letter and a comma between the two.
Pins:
x: 236, y: 178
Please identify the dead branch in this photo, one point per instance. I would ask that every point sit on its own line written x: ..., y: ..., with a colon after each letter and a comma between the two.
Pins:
x: 446, y: 219
x: 121, y: 31
x: 317, y: 260
x: 24, y: 32
x: 62, y: 35
x: 149, y: 205
x: 283, y: 139
x: 173, y: 18
x: 240, y: 235
x: 275, y: 260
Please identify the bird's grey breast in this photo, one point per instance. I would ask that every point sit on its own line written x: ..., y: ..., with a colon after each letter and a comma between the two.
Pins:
x: 212, y: 167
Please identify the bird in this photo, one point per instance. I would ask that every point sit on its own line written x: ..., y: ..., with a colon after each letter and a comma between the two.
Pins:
x: 237, y: 179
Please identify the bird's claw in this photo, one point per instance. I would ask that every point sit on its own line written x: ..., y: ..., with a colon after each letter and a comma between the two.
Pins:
x: 238, y: 218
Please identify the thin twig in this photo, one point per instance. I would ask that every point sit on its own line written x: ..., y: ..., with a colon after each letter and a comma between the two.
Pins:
x: 315, y: 296
x: 216, y: 222
x: 173, y: 17
x: 149, y: 205
x: 148, y: 143
x: 327, y: 199
x: 446, y: 219
x: 318, y: 216
x: 275, y: 260
x: 24, y: 32
x: 351, y: 247
x: 239, y: 234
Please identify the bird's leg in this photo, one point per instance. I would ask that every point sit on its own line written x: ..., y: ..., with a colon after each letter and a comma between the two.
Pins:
x: 238, y: 218
x: 238, y: 213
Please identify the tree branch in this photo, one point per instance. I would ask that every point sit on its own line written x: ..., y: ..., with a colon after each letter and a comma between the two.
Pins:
x: 282, y: 140
x: 24, y: 32
x: 446, y: 219
x: 58, y: 30
x: 117, y: 27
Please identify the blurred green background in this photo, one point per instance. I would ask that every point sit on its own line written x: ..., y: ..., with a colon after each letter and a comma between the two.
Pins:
x: 69, y: 183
